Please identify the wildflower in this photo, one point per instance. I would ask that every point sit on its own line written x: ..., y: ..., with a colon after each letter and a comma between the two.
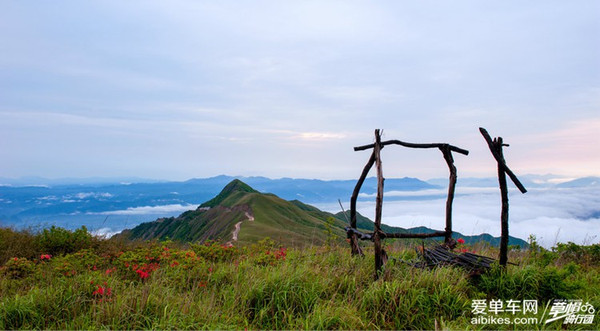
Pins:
x: 175, y: 263
x: 45, y: 257
x: 460, y: 241
x: 202, y: 284
x: 210, y: 269
x: 99, y: 291
x: 103, y: 291
x: 109, y: 271
x: 143, y: 274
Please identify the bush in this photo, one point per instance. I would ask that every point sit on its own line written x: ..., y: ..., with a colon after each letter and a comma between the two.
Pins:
x: 17, y: 268
x: 59, y: 241
x: 587, y: 255
x: 15, y: 243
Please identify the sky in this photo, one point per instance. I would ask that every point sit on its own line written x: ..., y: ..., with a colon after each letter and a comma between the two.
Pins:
x: 182, y: 89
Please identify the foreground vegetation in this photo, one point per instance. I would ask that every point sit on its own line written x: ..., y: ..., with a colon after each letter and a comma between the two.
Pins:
x: 57, y: 279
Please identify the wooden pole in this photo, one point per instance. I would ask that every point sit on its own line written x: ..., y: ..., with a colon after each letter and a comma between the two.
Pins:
x: 447, y: 152
x: 356, y: 250
x: 379, y: 253
x: 504, y: 195
x: 496, y: 146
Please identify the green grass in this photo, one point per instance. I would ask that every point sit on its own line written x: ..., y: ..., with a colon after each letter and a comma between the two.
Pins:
x: 261, y: 286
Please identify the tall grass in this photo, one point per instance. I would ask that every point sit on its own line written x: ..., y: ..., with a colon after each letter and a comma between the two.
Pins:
x: 264, y: 287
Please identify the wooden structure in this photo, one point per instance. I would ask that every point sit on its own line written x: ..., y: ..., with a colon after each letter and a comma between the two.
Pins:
x: 496, y: 146
x: 354, y: 235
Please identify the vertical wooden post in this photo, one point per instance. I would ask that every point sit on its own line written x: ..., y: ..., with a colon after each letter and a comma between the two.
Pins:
x: 503, y: 170
x: 451, y: 188
x: 379, y: 253
x: 504, y: 195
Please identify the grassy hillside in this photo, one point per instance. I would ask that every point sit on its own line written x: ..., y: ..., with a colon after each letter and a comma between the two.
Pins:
x: 106, y: 284
x: 291, y: 223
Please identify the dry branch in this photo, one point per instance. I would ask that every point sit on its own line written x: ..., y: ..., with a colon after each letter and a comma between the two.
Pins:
x: 500, y: 159
x: 412, y: 145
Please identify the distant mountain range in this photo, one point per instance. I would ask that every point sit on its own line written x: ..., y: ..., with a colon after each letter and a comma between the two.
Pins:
x: 240, y: 214
x: 111, y: 206
x: 25, y: 202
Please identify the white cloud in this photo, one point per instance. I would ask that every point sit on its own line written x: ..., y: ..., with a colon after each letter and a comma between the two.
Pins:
x: 318, y: 136
x: 149, y: 210
x: 552, y: 215
x: 96, y: 195
x: 104, y: 232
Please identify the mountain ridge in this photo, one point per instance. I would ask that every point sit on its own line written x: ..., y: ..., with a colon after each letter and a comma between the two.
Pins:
x: 289, y: 222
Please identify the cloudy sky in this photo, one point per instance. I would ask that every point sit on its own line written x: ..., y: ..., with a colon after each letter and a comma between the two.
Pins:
x: 174, y: 90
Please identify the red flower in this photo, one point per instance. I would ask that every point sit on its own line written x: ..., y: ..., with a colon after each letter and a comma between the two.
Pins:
x: 143, y: 274
x: 45, y: 257
x: 103, y: 291
x: 460, y: 241
x: 99, y: 291
x: 175, y: 263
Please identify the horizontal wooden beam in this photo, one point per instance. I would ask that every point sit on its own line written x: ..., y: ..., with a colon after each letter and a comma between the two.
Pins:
x: 359, y: 235
x: 412, y: 145
x: 415, y: 235
x: 369, y: 236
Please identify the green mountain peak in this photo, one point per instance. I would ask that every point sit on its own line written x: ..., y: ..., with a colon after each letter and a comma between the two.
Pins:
x: 229, y: 190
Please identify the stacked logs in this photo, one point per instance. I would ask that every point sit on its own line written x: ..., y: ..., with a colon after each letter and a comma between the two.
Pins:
x: 441, y: 255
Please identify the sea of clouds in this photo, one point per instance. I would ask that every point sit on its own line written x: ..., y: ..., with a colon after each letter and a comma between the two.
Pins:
x: 552, y: 215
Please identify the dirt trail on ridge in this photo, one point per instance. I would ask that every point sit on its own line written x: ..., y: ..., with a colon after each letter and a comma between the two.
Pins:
x: 236, y: 230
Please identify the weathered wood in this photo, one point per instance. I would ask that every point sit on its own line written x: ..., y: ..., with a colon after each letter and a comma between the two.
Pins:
x: 358, y: 234
x: 500, y: 159
x: 413, y: 235
x: 447, y: 152
x: 496, y: 146
x: 384, y: 235
x: 355, y: 248
x: 380, y: 255
x: 412, y: 145
x: 504, y: 195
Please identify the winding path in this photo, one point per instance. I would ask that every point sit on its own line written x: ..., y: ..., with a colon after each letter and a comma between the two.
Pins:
x: 236, y: 230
